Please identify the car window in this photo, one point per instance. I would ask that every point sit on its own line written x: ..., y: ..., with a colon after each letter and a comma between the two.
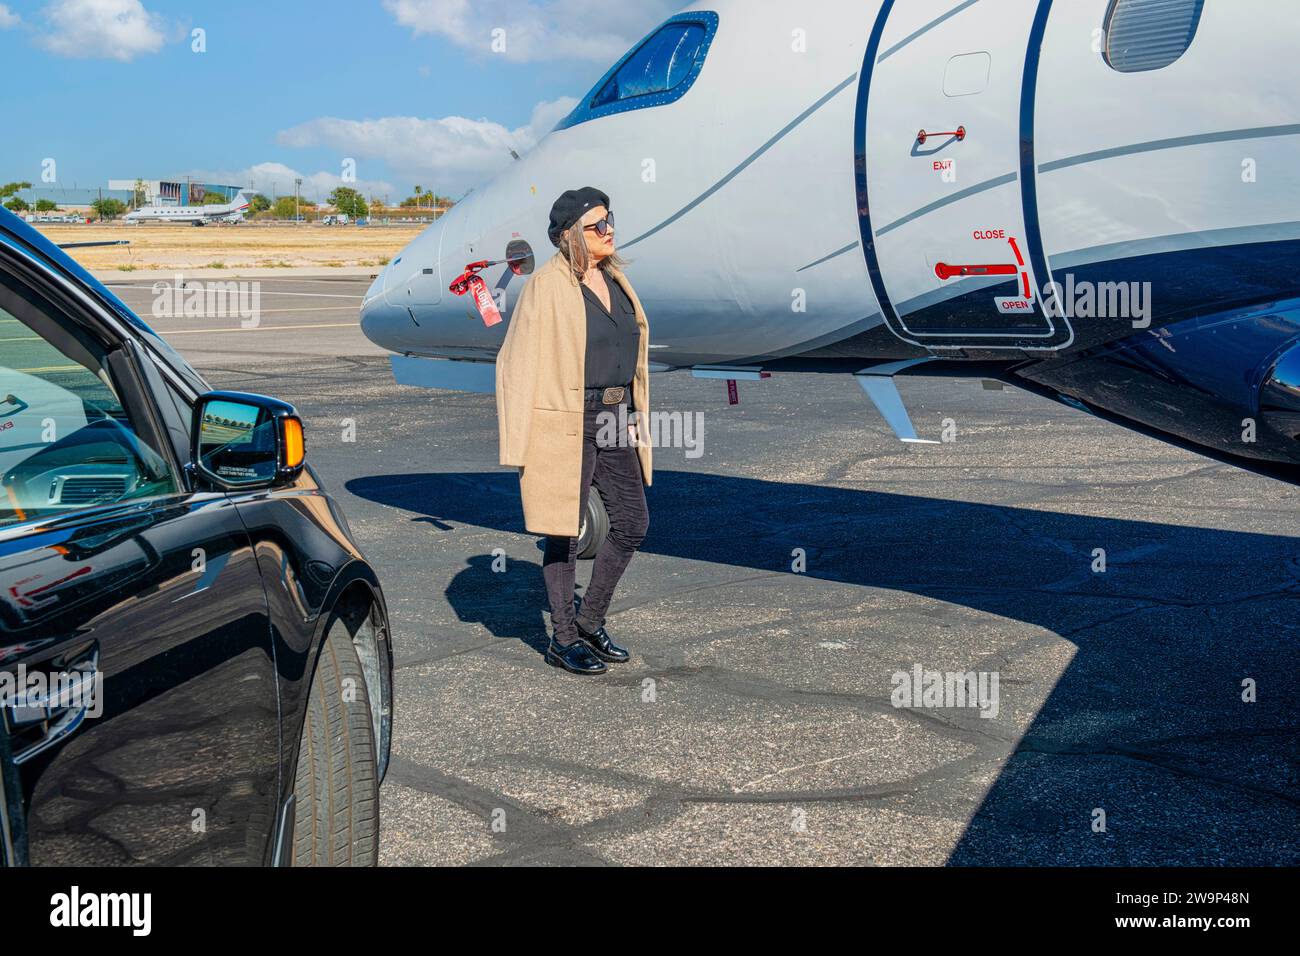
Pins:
x: 66, y: 439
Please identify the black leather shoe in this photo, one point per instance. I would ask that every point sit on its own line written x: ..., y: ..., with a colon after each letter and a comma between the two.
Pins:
x: 602, y: 646
x: 576, y: 658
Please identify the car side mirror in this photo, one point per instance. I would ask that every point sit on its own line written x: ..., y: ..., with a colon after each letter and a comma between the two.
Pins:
x: 243, y: 442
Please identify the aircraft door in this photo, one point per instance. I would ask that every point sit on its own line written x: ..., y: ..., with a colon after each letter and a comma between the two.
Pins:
x: 952, y: 256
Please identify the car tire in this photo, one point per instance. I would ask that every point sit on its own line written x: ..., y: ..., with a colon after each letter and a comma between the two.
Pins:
x: 336, y: 789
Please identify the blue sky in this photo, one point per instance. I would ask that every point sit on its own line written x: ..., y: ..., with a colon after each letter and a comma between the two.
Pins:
x: 428, y: 92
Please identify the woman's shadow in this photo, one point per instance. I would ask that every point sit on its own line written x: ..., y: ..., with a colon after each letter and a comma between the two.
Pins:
x: 505, y: 595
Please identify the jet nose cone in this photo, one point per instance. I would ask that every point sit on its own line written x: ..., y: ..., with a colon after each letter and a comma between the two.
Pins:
x: 401, y: 304
x: 374, y: 309
x: 375, y: 292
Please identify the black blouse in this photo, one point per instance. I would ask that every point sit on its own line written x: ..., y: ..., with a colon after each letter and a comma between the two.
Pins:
x: 613, y: 339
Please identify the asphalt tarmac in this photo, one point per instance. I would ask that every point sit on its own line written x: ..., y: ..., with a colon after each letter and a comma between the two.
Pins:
x: 759, y: 721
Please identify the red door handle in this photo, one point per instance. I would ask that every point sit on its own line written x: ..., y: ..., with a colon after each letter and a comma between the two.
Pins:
x: 959, y: 132
x: 945, y: 271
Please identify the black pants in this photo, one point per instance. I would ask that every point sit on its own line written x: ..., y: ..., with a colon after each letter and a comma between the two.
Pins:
x: 616, y: 473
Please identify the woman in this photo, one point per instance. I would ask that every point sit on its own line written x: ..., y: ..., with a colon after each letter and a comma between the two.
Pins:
x: 575, y: 354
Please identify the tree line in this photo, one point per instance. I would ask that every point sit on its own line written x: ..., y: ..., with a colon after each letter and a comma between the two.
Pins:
x: 344, y: 199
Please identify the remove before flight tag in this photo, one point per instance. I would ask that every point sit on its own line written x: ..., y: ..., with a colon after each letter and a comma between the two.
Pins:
x: 487, y: 306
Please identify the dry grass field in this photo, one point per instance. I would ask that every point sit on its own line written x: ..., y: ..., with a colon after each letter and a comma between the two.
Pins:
x: 244, y: 246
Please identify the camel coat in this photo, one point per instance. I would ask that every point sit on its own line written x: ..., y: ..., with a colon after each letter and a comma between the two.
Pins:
x: 540, y: 375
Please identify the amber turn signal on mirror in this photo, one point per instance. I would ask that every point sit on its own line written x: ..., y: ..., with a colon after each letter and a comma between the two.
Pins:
x: 292, y: 441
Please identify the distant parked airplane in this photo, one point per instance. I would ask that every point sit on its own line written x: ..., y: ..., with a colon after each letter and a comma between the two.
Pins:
x: 195, y: 215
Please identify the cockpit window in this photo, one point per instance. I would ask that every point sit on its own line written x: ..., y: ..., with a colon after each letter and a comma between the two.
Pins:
x: 1146, y: 35
x: 659, y: 70
x: 661, y: 63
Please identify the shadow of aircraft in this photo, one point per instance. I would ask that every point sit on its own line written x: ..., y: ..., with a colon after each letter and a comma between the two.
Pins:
x: 1147, y: 723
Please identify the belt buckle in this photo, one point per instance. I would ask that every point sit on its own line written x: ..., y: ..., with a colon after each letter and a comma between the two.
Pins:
x: 612, y: 396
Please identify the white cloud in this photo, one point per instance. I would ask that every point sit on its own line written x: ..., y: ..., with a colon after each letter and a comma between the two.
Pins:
x: 8, y: 18
x: 277, y: 179
x: 536, y: 29
x: 101, y: 29
x: 448, y: 154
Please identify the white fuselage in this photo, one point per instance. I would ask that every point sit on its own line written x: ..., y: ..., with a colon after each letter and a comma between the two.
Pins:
x: 232, y: 211
x: 752, y: 234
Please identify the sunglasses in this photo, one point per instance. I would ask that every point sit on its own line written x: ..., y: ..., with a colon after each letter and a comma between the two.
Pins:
x: 604, y: 226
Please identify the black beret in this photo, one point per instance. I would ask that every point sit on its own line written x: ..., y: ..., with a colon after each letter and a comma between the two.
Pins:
x: 571, y: 207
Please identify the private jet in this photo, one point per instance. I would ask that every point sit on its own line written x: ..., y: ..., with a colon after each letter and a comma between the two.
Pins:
x: 1098, y: 201
x: 232, y: 211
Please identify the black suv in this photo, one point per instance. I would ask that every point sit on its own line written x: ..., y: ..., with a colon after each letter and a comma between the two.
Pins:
x: 195, y: 665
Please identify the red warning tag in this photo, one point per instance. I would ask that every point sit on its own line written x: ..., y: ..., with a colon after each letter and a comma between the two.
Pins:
x: 487, y: 306
x: 733, y: 394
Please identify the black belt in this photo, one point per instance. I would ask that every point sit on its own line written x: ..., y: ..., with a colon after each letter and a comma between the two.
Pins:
x: 609, y: 396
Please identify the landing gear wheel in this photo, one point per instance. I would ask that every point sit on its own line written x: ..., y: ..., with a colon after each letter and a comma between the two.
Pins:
x: 595, y: 525
x: 336, y: 791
